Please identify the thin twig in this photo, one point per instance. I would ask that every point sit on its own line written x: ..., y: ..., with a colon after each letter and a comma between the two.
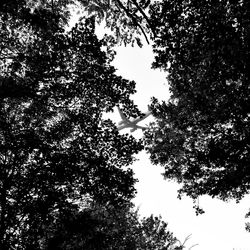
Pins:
x: 193, y: 246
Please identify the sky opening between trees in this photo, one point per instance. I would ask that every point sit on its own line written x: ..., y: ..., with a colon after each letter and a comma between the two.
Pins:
x: 66, y: 180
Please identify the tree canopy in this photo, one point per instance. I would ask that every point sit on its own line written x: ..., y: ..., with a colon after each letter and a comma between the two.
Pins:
x: 201, y: 136
x: 99, y: 227
x: 127, y: 20
x: 65, y: 176
x: 57, y: 152
x: 56, y: 149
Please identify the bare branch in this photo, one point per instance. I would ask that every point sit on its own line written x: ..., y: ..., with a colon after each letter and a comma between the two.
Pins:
x: 193, y: 246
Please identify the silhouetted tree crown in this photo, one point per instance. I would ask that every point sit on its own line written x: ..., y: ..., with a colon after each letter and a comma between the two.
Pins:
x: 56, y: 149
x: 98, y: 227
x: 201, y: 135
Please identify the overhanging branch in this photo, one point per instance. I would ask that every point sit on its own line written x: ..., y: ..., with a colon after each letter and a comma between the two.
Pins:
x: 133, y: 19
x: 144, y: 15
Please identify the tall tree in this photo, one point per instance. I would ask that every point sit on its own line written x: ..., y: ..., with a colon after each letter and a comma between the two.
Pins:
x: 201, y: 136
x: 98, y: 227
x: 56, y: 149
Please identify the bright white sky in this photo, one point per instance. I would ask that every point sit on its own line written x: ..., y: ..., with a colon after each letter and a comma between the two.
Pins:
x: 222, y: 227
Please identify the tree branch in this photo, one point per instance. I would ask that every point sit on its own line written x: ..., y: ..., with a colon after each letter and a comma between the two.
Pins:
x: 144, y: 15
x: 133, y: 19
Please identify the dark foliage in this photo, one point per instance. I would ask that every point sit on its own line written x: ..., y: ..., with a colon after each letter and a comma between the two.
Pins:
x: 55, y: 147
x: 97, y: 227
x: 126, y: 19
x: 202, y: 134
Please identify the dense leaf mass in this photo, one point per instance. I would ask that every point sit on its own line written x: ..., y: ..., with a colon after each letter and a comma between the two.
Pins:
x: 202, y: 133
x: 55, y: 147
x: 126, y: 20
x: 97, y: 227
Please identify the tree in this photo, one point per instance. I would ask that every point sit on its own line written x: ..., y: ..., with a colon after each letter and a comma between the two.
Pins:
x: 127, y: 20
x: 56, y: 149
x: 98, y: 227
x: 201, y: 136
